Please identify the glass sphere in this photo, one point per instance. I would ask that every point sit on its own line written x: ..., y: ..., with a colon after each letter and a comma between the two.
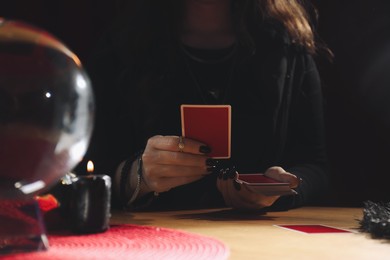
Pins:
x: 46, y: 110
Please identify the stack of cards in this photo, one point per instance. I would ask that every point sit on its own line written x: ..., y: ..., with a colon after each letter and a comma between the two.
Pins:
x: 259, y: 183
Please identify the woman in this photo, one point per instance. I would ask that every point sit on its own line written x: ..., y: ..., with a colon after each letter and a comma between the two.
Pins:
x: 254, y: 55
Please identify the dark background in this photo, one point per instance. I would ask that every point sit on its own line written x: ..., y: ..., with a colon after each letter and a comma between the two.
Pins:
x: 356, y: 84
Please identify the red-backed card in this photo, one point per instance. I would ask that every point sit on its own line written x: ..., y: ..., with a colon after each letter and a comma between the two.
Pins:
x: 209, y: 124
x: 259, y: 183
x: 313, y: 229
x: 259, y: 178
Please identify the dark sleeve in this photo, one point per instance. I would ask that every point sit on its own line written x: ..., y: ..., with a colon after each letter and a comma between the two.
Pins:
x: 305, y: 152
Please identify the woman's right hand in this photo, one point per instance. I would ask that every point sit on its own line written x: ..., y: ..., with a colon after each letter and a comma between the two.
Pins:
x: 171, y: 161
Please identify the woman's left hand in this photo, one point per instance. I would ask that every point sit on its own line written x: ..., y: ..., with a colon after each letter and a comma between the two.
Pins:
x: 239, y: 196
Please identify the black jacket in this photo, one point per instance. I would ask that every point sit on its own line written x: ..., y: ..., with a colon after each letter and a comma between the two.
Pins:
x: 277, y: 113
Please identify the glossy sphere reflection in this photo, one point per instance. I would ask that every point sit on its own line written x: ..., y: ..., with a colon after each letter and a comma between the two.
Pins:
x: 46, y: 110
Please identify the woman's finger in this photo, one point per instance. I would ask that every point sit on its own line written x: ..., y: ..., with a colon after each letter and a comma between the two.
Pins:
x: 177, y: 144
x: 278, y: 173
x: 175, y: 158
x: 242, y: 198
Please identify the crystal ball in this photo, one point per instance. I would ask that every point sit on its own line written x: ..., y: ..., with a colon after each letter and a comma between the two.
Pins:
x: 46, y: 110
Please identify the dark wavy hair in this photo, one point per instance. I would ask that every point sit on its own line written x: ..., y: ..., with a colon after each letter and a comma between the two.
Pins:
x: 291, y: 13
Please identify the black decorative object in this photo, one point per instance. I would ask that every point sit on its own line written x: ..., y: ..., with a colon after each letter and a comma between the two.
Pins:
x: 376, y: 219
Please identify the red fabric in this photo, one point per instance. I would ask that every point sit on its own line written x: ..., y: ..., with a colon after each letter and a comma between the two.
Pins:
x: 130, y: 242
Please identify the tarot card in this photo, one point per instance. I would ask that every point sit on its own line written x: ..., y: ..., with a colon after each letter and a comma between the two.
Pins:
x: 313, y: 229
x: 209, y: 124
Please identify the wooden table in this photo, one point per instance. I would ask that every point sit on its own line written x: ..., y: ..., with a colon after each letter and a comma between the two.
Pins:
x: 255, y: 236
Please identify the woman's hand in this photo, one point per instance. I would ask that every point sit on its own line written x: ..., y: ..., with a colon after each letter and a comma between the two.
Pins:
x: 171, y: 161
x: 240, y: 197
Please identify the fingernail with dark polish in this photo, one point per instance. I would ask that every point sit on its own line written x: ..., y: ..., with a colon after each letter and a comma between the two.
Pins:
x: 211, y: 162
x: 232, y: 174
x: 220, y: 174
x: 204, y: 149
x: 225, y: 175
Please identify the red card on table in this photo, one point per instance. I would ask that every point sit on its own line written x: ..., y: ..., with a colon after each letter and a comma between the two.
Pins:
x: 209, y: 124
x: 313, y: 229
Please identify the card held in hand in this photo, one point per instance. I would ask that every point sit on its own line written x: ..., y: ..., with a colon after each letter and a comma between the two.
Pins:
x: 209, y: 124
x: 259, y: 183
